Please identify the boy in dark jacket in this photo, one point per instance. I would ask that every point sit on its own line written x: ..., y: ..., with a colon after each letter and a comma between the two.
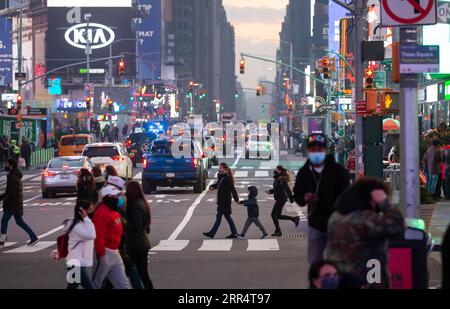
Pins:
x: 252, y: 212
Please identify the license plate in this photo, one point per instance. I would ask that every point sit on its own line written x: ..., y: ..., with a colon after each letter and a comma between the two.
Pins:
x: 170, y: 175
x: 134, y: 150
x: 65, y: 176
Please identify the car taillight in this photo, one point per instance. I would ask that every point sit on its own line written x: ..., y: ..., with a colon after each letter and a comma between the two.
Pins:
x: 145, y: 163
x: 195, y: 161
x: 118, y: 158
x: 128, y: 143
x: 213, y: 147
x: 48, y: 173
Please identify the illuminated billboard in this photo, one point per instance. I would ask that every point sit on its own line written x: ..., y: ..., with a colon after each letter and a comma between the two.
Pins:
x: 89, y: 3
x: 439, y: 34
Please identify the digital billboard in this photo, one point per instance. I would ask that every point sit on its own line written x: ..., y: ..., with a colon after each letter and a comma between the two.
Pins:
x: 5, y: 52
x: 148, y: 31
x: 439, y: 34
x: 68, y: 33
x: 89, y: 3
x: 336, y: 12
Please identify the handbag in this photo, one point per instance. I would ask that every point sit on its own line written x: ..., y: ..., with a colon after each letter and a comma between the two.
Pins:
x: 21, y: 162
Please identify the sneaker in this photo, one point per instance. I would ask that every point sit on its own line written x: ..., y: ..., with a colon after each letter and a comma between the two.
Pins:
x: 231, y: 236
x: 209, y: 235
x: 33, y: 242
x: 277, y: 234
x: 2, y: 240
x: 297, y: 221
x: 241, y: 236
x: 264, y: 236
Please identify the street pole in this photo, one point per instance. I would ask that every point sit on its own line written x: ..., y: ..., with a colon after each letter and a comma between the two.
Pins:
x: 359, y: 13
x: 88, y: 52
x: 19, y: 55
x: 409, y: 135
x: 293, y: 101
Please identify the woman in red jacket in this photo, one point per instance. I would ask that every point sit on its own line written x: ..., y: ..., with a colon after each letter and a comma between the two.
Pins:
x: 109, y: 229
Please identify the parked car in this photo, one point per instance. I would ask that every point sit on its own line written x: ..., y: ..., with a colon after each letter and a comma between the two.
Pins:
x: 73, y: 144
x: 61, y: 174
x: 165, y: 169
x: 114, y: 154
x: 137, y: 144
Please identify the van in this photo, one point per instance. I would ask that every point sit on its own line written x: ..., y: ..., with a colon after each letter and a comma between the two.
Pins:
x: 73, y: 144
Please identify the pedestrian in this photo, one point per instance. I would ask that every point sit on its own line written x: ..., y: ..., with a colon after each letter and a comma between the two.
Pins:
x: 13, y: 203
x: 3, y: 151
x: 225, y: 191
x: 110, y: 171
x: 445, y: 255
x: 252, y: 213
x: 81, y: 232
x: 14, y: 150
x: 318, y: 184
x: 323, y: 274
x: 116, y: 133
x: 359, y: 229
x: 25, y: 152
x: 138, y: 220
x: 431, y: 161
x: 281, y: 193
x: 99, y: 178
x: 125, y: 130
x: 86, y: 187
x: 109, y: 229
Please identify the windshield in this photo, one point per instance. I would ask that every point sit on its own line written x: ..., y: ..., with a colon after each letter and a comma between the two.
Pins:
x: 74, y: 141
x: 60, y: 162
x: 142, y: 137
x: 161, y: 148
x: 106, y: 151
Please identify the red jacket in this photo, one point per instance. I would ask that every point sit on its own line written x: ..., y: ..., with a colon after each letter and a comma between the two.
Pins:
x: 108, y: 227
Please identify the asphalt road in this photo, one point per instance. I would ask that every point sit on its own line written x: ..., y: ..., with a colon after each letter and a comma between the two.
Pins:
x: 181, y: 256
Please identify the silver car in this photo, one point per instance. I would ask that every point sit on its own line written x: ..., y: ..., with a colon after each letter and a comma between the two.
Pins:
x: 61, y: 175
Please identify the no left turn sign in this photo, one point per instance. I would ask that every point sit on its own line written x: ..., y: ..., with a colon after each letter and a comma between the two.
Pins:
x: 408, y: 12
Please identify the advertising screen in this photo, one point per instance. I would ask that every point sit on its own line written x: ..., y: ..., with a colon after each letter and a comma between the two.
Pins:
x: 443, y: 40
x: 336, y: 12
x: 89, y: 3
x: 67, y: 35
x: 5, y: 52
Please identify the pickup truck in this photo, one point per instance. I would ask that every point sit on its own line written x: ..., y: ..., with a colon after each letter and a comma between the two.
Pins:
x: 163, y: 169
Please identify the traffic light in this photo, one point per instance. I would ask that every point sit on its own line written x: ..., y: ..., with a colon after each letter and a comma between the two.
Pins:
x: 242, y: 65
x: 372, y: 100
x: 88, y: 103
x: 110, y: 106
x: 19, y: 102
x: 326, y: 66
x: 258, y: 90
x: 369, y: 78
x: 121, y: 67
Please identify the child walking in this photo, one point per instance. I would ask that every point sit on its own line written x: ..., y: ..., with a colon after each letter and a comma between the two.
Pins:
x: 253, y: 213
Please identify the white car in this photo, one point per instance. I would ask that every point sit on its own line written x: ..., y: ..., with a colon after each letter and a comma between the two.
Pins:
x: 114, y: 154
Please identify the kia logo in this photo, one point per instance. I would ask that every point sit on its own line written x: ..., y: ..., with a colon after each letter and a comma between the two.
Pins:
x: 99, y: 36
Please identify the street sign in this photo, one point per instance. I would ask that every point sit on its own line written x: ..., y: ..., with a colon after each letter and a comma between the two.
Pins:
x: 416, y: 59
x: 361, y: 107
x: 20, y: 76
x: 329, y: 107
x: 34, y: 111
x: 443, y: 12
x: 408, y: 12
x: 380, y: 79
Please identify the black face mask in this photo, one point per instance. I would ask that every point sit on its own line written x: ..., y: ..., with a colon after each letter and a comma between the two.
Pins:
x: 8, y: 168
x: 276, y: 174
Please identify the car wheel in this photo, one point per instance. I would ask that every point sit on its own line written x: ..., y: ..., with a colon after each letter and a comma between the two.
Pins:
x: 198, y: 186
x: 45, y: 194
x: 147, y: 187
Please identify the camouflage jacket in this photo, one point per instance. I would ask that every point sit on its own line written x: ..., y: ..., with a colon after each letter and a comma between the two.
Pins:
x: 360, y: 236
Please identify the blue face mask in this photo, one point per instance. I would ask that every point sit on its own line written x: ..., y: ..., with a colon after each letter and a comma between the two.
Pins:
x: 120, y: 202
x: 317, y: 158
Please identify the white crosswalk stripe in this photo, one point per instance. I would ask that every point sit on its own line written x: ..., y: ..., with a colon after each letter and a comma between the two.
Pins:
x: 263, y: 245
x: 216, y: 245
x: 171, y: 245
x: 30, y: 249
x: 261, y: 174
x: 138, y: 176
x: 241, y: 174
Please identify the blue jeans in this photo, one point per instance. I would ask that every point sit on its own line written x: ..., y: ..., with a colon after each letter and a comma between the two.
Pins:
x: 19, y: 221
x: 85, y: 279
x: 219, y: 220
x: 431, y: 183
x: 317, y: 241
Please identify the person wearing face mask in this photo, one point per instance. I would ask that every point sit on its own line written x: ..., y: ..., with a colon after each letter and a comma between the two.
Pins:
x: 318, y: 185
x: 359, y: 229
x: 13, y: 203
x: 281, y: 193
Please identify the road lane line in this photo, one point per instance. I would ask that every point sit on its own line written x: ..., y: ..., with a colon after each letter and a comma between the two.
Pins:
x: 30, y: 249
x: 216, y: 245
x: 56, y: 229
x: 189, y: 214
x: 26, y: 201
x: 263, y: 245
x: 170, y: 245
x: 237, y: 160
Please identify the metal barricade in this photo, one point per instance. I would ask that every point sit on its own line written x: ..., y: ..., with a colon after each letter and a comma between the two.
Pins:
x: 392, y: 176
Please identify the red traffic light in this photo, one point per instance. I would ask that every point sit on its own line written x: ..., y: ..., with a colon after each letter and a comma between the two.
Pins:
x: 19, y: 99
x: 121, y: 64
x: 325, y: 61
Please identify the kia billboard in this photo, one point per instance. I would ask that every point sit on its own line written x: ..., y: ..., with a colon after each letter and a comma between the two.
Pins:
x: 68, y: 33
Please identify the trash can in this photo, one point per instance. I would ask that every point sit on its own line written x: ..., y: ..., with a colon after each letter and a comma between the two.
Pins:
x: 408, y: 257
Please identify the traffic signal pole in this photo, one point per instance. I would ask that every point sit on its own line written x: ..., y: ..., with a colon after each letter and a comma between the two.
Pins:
x: 19, y: 55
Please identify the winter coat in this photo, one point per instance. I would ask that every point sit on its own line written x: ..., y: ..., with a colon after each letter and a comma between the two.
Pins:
x: 281, y: 190
x: 137, y: 223
x: 251, y: 203
x: 109, y: 229
x: 360, y: 235
x: 225, y: 190
x: 88, y: 194
x: 432, y: 160
x: 81, y: 242
x: 331, y: 183
x: 13, y: 196
x: 25, y: 150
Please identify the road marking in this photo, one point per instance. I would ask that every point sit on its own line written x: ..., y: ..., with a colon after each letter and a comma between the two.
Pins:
x: 137, y: 176
x: 241, y: 174
x: 171, y: 245
x: 56, y: 229
x: 26, y: 201
x: 69, y: 199
x: 265, y: 167
x: 261, y: 173
x: 247, y: 167
x: 29, y: 249
x: 244, y: 182
x: 263, y: 245
x: 237, y: 160
x: 216, y: 245
x: 189, y: 214
x: 8, y: 244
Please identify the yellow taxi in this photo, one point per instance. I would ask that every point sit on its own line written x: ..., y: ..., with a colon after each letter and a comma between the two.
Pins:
x: 73, y: 144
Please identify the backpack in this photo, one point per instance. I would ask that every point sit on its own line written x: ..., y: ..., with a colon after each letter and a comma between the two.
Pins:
x: 62, y: 243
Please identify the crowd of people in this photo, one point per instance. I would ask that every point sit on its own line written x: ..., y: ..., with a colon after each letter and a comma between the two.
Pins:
x: 9, y: 149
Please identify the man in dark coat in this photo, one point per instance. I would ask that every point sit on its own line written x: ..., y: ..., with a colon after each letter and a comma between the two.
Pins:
x: 225, y: 190
x: 25, y: 152
x: 13, y: 203
x: 318, y: 184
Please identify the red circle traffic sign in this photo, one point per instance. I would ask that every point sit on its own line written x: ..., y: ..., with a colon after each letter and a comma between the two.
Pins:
x: 423, y: 12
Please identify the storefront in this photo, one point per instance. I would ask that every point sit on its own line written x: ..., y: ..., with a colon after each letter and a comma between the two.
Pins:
x: 70, y: 114
x: 34, y: 128
x: 434, y: 103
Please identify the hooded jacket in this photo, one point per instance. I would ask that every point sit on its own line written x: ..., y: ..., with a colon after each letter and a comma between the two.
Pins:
x: 225, y: 190
x: 330, y: 184
x: 251, y: 203
x: 81, y: 242
x: 13, y: 196
x: 281, y: 190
